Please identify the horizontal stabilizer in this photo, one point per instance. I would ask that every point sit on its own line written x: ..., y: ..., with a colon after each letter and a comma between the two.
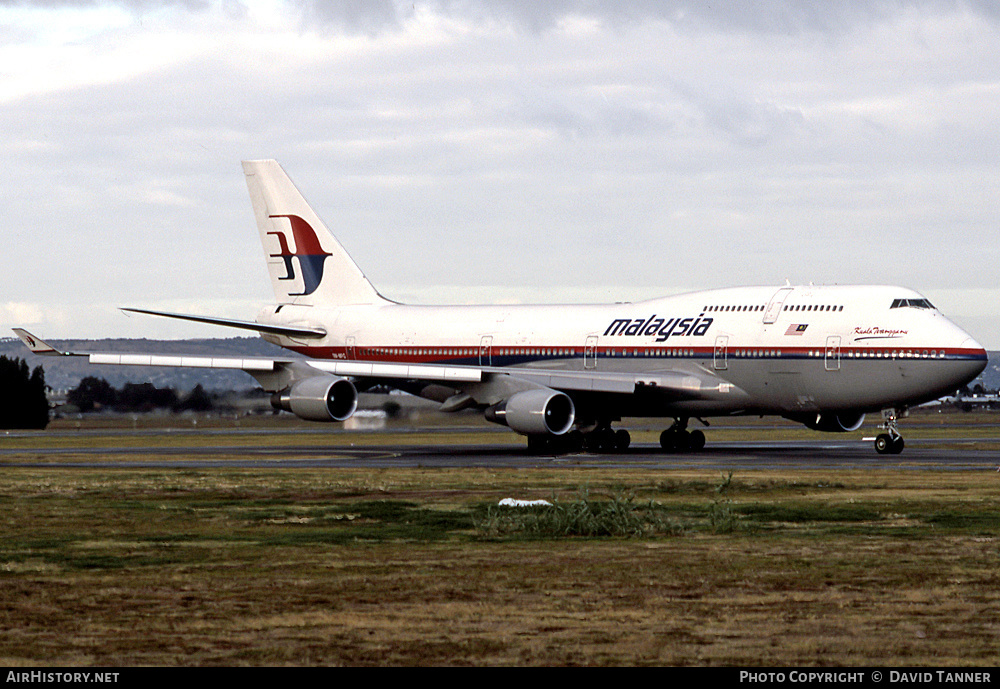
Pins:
x: 287, y: 330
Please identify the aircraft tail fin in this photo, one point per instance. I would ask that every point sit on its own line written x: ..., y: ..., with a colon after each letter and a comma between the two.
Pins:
x: 306, y: 262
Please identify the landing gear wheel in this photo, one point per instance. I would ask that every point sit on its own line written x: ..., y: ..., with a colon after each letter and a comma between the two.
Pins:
x: 575, y: 441
x: 538, y: 444
x: 697, y: 441
x: 678, y: 439
x: 622, y: 440
x: 883, y: 443
x: 890, y: 442
x: 600, y: 440
x: 604, y: 439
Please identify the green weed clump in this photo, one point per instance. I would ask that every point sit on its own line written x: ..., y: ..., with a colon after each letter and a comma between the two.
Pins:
x: 584, y: 517
x: 720, y: 514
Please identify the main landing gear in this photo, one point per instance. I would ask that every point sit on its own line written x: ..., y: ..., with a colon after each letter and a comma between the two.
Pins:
x: 678, y: 438
x: 603, y: 438
x: 606, y: 439
x: 890, y: 442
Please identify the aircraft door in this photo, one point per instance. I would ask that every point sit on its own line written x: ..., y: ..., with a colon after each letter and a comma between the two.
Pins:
x: 721, y: 352
x: 349, y: 345
x: 774, y: 307
x: 833, y: 353
x: 590, y: 352
x: 486, y: 351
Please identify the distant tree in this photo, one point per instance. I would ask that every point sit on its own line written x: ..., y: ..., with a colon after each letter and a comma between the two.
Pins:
x: 92, y: 393
x: 23, y: 403
x: 196, y: 400
x: 144, y: 397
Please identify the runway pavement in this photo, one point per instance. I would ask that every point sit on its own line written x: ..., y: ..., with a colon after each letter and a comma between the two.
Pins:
x: 967, y: 454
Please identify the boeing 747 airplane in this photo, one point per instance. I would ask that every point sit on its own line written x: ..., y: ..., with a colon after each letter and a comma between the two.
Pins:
x: 563, y: 374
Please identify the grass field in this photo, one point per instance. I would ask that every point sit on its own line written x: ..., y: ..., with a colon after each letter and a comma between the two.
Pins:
x: 418, y: 566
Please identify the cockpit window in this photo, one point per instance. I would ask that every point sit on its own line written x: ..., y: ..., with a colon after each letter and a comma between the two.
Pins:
x: 916, y: 303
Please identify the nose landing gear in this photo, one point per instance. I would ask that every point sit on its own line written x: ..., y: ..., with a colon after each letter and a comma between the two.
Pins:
x: 890, y: 442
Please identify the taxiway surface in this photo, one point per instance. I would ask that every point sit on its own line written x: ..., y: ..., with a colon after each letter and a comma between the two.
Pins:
x: 969, y: 454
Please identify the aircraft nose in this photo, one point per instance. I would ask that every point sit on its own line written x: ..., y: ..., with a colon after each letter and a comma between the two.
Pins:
x: 974, y: 358
x: 971, y: 345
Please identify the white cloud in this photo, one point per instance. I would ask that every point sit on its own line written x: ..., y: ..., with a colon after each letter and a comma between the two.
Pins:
x: 546, y: 147
x: 21, y: 313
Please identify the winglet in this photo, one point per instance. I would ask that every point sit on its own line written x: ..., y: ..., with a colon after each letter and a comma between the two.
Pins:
x: 36, y: 345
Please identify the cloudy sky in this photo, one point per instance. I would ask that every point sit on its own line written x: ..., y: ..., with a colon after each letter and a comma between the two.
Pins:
x: 482, y: 151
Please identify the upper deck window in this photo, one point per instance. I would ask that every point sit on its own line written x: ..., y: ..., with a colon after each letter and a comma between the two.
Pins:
x: 916, y: 303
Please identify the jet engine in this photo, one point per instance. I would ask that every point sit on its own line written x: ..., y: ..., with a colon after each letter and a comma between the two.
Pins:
x: 319, y: 398
x: 839, y: 422
x: 534, y: 412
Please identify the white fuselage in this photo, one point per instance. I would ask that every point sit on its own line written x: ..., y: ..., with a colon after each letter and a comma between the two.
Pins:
x: 790, y: 350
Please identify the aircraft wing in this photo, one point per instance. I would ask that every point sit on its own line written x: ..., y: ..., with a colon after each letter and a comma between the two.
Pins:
x: 297, y: 367
x: 43, y: 348
x: 274, y: 373
x: 679, y: 385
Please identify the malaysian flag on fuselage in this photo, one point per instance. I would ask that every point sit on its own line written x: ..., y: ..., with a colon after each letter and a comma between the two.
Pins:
x: 796, y: 328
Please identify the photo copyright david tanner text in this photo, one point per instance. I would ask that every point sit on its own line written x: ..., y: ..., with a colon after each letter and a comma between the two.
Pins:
x: 846, y: 677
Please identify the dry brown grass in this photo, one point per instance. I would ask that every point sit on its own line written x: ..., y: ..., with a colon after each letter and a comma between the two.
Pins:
x: 690, y: 601
x: 123, y: 567
x: 187, y: 567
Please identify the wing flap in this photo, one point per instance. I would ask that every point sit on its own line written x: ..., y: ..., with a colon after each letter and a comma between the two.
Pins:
x: 676, y: 384
x: 182, y: 361
x: 361, y: 369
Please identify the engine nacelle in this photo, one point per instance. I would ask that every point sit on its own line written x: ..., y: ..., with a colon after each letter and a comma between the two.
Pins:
x: 839, y: 422
x: 534, y: 412
x: 319, y: 398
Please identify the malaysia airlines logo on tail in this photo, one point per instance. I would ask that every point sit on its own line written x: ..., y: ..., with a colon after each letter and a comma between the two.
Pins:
x: 307, y: 249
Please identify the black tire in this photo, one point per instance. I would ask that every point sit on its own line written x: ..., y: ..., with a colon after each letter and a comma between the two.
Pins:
x: 883, y: 443
x: 697, y: 441
x: 673, y: 440
x: 683, y: 441
x: 622, y: 440
x: 538, y: 445
x: 574, y: 441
